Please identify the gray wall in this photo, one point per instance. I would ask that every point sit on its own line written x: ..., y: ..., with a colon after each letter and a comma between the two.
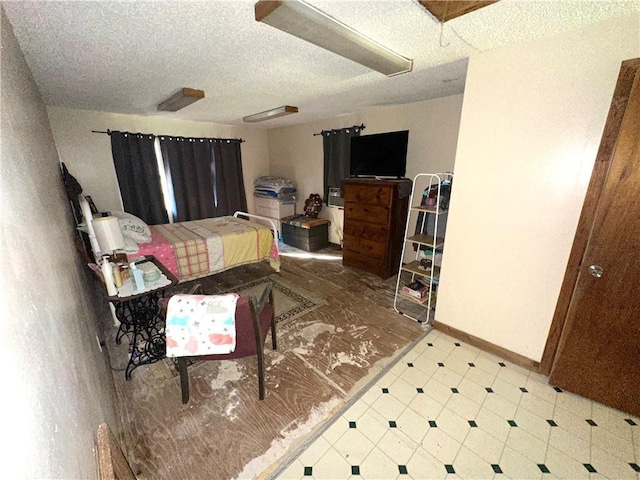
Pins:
x: 57, y: 386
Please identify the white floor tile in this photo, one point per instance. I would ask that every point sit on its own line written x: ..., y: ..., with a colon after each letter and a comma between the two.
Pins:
x: 416, y: 377
x: 513, y: 377
x: 331, y: 465
x: 612, y: 420
x: 607, y: 441
x: 353, y: 446
x: 636, y: 442
x: 356, y: 410
x: 403, y: 391
x: 488, y: 365
x: 437, y: 390
x: 466, y: 353
x: 527, y: 445
x: 424, y: 466
x: 453, y: 424
x: 493, y: 424
x: 611, y: 466
x: 539, y: 377
x: 469, y: 465
x: 335, y: 431
x: 464, y: 407
x: 534, y: 424
x: 426, y: 406
x: 537, y: 406
x: 541, y: 390
x: 472, y: 391
x: 388, y: 406
x: 526, y: 450
x: 570, y: 444
x: 397, y: 446
x: 515, y: 465
x: 447, y: 377
x: 412, y: 424
x: 445, y: 343
x: 579, y: 406
x: 480, y: 376
x: 371, y: 395
x: 507, y: 390
x: 373, y: 425
x: 500, y: 406
x: 399, y: 368
x: 517, y: 368
x: 434, y: 354
x: 378, y: 466
x: 314, y: 452
x: 563, y: 466
x: 441, y: 445
x: 573, y: 424
x: 295, y: 471
x: 484, y: 445
x: 457, y: 365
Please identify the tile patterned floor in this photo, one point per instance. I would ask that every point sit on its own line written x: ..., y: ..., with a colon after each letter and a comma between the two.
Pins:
x: 449, y: 410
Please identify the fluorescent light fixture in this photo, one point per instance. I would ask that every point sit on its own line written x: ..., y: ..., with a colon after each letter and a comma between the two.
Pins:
x: 269, y: 114
x: 308, y: 23
x: 181, y: 99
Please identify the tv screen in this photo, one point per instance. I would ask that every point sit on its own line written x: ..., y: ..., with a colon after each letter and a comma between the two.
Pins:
x: 379, y: 155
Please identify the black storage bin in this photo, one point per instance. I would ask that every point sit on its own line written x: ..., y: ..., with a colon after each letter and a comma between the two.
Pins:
x: 309, y: 239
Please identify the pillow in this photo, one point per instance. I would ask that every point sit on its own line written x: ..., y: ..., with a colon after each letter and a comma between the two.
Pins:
x: 133, y: 227
x: 130, y: 245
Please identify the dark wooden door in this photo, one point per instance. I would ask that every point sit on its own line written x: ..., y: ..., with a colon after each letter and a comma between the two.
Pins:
x: 598, y: 354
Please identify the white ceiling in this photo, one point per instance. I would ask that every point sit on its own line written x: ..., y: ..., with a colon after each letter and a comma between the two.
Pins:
x: 127, y: 57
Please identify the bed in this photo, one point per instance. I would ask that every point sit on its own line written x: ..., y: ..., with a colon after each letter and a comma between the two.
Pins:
x: 199, y: 248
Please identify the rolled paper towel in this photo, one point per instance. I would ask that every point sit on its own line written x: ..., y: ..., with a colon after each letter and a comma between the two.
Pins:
x: 108, y: 233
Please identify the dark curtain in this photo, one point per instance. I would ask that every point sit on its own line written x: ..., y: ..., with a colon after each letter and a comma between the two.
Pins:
x: 205, y: 175
x: 228, y: 179
x: 138, y: 176
x: 336, y: 145
x: 188, y: 164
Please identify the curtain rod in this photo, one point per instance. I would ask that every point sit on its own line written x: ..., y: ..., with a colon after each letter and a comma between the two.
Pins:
x: 361, y: 127
x: 108, y: 132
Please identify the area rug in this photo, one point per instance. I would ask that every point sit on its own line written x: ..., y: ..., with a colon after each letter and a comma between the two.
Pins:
x: 290, y: 302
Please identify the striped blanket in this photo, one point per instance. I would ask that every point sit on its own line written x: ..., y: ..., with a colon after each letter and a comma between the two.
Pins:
x: 200, y: 248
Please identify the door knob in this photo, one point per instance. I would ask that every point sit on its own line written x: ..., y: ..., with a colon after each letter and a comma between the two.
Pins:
x: 596, y: 271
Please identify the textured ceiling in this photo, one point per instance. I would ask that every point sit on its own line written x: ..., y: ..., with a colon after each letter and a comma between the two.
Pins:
x: 127, y: 57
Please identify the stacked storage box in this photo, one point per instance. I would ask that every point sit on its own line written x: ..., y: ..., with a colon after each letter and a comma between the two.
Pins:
x: 275, y: 197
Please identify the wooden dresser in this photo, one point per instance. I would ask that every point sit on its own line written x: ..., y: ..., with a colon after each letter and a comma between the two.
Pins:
x: 375, y: 212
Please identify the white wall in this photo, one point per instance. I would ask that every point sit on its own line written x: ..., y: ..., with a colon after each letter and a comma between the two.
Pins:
x: 88, y: 155
x: 532, y: 119
x: 57, y: 387
x: 433, y: 132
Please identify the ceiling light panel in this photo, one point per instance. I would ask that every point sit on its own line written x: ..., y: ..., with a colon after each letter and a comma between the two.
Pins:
x: 269, y: 114
x: 180, y: 99
x: 308, y: 23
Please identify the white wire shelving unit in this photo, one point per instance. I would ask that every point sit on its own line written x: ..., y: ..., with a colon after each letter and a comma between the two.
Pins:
x: 423, y: 266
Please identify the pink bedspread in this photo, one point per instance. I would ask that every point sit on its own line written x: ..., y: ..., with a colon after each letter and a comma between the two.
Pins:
x: 200, y: 248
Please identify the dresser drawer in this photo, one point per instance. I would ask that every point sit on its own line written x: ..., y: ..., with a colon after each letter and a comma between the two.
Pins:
x: 367, y: 231
x: 368, y: 248
x: 366, y: 213
x: 363, y: 262
x: 369, y: 194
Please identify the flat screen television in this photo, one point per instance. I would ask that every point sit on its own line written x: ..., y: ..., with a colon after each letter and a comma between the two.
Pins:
x: 379, y: 155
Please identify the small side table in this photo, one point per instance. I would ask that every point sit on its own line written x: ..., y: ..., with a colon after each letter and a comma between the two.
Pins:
x: 141, y: 321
